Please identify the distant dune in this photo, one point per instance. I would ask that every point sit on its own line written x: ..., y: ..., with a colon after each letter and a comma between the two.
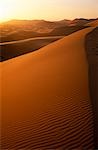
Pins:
x: 93, y: 23
x: 17, y: 30
x: 79, y: 22
x: 20, y: 29
x: 17, y: 48
x: 45, y: 98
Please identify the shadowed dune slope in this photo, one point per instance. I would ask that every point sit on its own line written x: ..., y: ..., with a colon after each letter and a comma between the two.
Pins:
x: 45, y: 98
x: 92, y: 55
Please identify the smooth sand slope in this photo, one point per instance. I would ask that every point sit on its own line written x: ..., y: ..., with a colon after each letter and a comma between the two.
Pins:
x: 45, y: 98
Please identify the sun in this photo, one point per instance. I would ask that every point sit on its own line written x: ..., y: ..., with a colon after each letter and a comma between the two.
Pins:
x: 13, y: 9
x: 4, y: 11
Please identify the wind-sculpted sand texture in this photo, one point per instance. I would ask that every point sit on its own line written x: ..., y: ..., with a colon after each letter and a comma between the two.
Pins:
x: 92, y: 55
x: 45, y: 98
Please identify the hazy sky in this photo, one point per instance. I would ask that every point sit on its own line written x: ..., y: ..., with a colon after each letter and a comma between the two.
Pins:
x: 48, y: 9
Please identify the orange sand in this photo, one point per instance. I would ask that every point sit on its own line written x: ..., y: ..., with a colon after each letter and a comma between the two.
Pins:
x: 45, y: 97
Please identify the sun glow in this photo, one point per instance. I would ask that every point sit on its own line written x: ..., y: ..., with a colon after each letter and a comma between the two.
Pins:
x: 16, y: 9
x: 47, y: 9
x: 4, y: 11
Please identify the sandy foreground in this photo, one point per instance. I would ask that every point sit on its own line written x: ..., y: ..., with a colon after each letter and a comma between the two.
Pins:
x: 45, y: 97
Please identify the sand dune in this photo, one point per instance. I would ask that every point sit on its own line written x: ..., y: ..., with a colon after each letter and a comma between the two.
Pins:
x: 93, y: 23
x: 45, y: 98
x: 16, y: 48
x: 22, y: 29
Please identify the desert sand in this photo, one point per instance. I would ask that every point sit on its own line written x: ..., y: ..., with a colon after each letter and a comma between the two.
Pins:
x: 93, y: 23
x: 45, y: 97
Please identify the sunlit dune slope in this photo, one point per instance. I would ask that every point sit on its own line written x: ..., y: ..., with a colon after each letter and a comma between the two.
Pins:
x: 45, y: 98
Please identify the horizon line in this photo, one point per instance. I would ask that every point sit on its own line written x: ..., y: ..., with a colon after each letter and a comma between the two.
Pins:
x: 47, y: 19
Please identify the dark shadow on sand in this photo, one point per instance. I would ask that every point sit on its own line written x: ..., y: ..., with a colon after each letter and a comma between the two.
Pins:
x: 92, y: 55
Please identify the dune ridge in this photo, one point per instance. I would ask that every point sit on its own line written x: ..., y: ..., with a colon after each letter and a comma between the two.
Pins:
x: 45, y: 98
